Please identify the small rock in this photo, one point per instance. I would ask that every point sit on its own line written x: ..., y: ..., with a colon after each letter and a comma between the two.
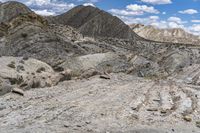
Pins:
x: 41, y: 69
x: 187, y: 118
x: 152, y: 109
x: 156, y: 100
x: 18, y: 91
x: 66, y: 75
x: 11, y: 65
x: 20, y: 68
x: 134, y: 108
x: 58, y: 69
x: 104, y: 77
x: 198, y: 124
x: 78, y: 125
x: 2, y: 107
x: 88, y: 122
x: 21, y: 61
x: 163, y: 111
x: 66, y: 124
x: 25, y: 58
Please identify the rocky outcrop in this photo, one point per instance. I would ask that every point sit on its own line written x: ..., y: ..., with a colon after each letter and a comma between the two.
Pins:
x: 175, y: 35
x: 27, y: 73
x: 11, y: 9
x: 30, y: 35
x: 93, y: 22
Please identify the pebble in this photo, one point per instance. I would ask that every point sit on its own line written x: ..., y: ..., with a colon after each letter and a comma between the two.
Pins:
x: 104, y: 77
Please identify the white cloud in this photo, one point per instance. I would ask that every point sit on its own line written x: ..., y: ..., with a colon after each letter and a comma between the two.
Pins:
x: 176, y: 20
x: 125, y: 12
x: 175, y: 25
x: 189, y: 11
x: 194, y: 29
x: 89, y: 4
x: 44, y: 12
x: 195, y: 21
x: 142, y: 8
x: 134, y: 9
x: 154, y: 17
x: 157, y: 2
x: 47, y: 7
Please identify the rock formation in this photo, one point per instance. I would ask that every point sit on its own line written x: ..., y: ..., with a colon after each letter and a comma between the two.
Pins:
x: 93, y: 22
x: 9, y: 10
x: 176, y: 35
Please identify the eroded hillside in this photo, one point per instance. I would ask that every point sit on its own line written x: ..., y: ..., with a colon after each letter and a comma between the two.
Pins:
x: 56, y: 77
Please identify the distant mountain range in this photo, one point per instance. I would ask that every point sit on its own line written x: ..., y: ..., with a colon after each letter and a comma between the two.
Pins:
x: 176, y: 35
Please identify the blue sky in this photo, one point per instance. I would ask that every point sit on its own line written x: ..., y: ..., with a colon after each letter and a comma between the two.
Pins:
x: 183, y: 14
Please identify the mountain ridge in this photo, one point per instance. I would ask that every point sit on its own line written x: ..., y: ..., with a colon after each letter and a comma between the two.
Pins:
x: 91, y: 21
x: 175, y: 35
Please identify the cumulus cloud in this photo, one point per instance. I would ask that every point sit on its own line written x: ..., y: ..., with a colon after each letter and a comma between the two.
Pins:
x: 89, y: 4
x: 176, y: 20
x: 189, y: 11
x: 47, y: 7
x: 44, y: 12
x: 195, y: 21
x: 194, y: 29
x: 134, y: 9
x: 142, y: 8
x: 157, y: 2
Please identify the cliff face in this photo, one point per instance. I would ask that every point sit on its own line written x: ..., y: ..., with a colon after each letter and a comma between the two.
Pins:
x: 93, y: 22
x: 175, y: 35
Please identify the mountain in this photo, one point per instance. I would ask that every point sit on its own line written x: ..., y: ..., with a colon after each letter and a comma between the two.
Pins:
x: 11, y: 9
x: 93, y: 22
x: 175, y: 35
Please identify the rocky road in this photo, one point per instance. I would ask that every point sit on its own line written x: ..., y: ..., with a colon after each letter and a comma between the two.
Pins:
x: 123, y: 103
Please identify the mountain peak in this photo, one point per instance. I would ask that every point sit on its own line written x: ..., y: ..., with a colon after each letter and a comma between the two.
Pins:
x: 94, y: 22
x: 12, y: 9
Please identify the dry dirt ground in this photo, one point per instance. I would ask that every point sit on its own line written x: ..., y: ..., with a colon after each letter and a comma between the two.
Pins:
x: 123, y: 103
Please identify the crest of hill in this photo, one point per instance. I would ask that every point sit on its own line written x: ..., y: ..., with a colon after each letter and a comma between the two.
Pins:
x: 175, y: 35
x: 11, y: 9
x: 93, y: 22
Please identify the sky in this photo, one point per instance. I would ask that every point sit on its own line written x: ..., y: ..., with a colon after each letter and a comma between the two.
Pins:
x: 183, y: 14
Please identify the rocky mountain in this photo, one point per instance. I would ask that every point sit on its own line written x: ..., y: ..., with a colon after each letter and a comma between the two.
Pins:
x: 57, y: 77
x: 175, y: 35
x: 93, y: 22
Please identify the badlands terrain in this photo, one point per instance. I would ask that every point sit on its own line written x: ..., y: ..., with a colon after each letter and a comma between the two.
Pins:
x: 87, y: 71
x: 176, y: 35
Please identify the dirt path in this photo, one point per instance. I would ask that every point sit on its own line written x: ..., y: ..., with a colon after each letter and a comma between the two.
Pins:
x: 122, y: 104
